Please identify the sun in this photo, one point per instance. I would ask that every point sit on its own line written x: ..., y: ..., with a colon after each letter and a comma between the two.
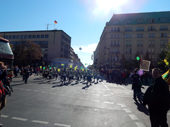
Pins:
x: 108, y: 5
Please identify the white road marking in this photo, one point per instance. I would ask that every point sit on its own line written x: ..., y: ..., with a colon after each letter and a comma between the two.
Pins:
x: 133, y: 117
x: 127, y: 110
x: 35, y: 90
x: 27, y: 89
x: 140, y: 124
x: 96, y: 100
x: 122, y: 105
x: 4, y: 116
x: 107, y: 102
x: 96, y: 109
x: 105, y: 86
x: 95, y: 94
x: 82, y: 98
x: 62, y: 125
x: 43, y: 92
x: 106, y: 95
x: 17, y: 118
x: 42, y: 122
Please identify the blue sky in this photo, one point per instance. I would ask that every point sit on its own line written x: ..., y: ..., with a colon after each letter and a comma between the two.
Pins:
x: 83, y: 20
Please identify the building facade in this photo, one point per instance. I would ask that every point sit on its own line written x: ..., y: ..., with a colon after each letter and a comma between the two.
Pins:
x: 133, y: 34
x: 55, y: 44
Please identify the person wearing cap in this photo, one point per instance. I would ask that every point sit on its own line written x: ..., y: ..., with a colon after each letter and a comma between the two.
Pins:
x: 157, y: 97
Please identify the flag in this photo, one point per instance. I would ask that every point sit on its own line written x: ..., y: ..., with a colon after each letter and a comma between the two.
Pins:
x: 55, y: 22
x: 165, y: 75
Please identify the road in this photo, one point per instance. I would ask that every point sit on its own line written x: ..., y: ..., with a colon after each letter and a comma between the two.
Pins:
x: 41, y: 103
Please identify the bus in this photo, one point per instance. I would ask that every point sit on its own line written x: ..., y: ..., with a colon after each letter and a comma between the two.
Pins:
x: 6, y: 56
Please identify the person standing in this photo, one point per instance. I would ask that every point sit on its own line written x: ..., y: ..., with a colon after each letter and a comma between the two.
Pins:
x: 27, y: 72
x: 136, y: 85
x: 157, y: 97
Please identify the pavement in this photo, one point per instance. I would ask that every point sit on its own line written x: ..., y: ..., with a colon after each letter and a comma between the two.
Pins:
x: 44, y: 103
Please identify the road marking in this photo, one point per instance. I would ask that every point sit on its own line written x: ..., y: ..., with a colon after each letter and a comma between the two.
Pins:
x: 106, y: 95
x: 107, y: 102
x: 17, y: 118
x: 4, y: 116
x: 96, y: 100
x: 96, y: 109
x: 27, y: 89
x: 35, y: 90
x: 127, y: 110
x: 133, y: 117
x: 82, y: 98
x: 95, y: 94
x: 62, y: 125
x: 105, y: 86
x: 122, y: 105
x: 140, y: 124
x: 42, y: 122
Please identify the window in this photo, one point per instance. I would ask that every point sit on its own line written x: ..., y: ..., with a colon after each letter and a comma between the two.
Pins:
x: 29, y: 36
x: 118, y: 43
x: 33, y: 36
x: 118, y: 36
x: 163, y: 28
x: 115, y: 22
x: 114, y: 50
x: 14, y: 37
x: 150, y: 35
x: 10, y: 36
x: 126, y: 35
x: 114, y: 35
x: 18, y: 37
x: 46, y: 36
x: 139, y: 35
x: 128, y: 21
x: 153, y: 35
x: 162, y: 42
x: 38, y: 36
x: 22, y: 36
x: 163, y: 20
x: 139, y: 21
x: 114, y: 42
x: 151, y: 20
x: 25, y: 36
x: 129, y: 35
x: 42, y: 36
x: 163, y: 34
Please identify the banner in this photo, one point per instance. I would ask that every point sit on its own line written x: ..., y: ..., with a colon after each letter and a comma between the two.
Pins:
x: 145, y: 65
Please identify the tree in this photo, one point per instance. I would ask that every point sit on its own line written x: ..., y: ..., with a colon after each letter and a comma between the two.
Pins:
x: 161, y: 64
x: 147, y: 55
x: 26, y: 53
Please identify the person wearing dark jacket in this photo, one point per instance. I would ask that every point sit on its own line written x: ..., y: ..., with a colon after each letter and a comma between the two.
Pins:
x: 157, y: 98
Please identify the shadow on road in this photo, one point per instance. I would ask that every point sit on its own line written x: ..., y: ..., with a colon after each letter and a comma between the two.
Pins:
x: 18, y: 84
x: 85, y: 87
x: 142, y: 108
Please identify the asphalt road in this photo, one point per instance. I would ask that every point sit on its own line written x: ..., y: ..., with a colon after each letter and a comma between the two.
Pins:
x: 41, y: 103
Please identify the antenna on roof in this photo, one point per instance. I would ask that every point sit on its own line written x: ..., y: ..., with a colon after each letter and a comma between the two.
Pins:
x: 48, y: 25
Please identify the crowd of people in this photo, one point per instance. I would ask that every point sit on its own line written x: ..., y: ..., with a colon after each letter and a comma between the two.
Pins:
x: 157, y: 96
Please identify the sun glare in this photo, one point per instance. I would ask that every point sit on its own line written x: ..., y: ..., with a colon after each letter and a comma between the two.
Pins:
x: 108, y: 5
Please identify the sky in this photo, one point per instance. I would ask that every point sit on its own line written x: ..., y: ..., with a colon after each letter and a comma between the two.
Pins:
x: 82, y: 20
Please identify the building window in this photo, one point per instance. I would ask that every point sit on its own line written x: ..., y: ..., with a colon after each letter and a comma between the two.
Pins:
x: 18, y: 37
x: 163, y: 20
x: 38, y: 36
x: 29, y: 36
x: 10, y: 36
x: 139, y: 35
x: 6, y: 37
x: 151, y: 20
x: 25, y: 36
x: 118, y: 36
x: 42, y: 36
x: 46, y: 36
x: 118, y: 43
x: 34, y: 36
x: 139, y: 21
x: 163, y: 34
x: 163, y: 28
x: 114, y: 35
x: 22, y: 36
x: 128, y: 21
x: 115, y: 22
x: 14, y: 36
x: 126, y: 35
x: 140, y: 28
x: 114, y: 43
x: 111, y: 36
